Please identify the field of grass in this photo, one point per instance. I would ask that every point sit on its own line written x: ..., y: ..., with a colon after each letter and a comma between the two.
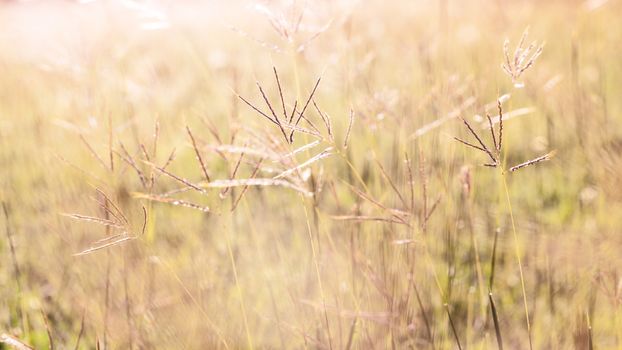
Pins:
x: 239, y: 174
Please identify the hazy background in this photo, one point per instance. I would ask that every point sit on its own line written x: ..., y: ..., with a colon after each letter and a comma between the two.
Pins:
x: 372, y: 258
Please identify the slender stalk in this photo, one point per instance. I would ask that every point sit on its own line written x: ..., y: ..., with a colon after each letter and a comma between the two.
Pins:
x: 128, y: 302
x: 493, y: 259
x: 453, y: 327
x: 589, y: 332
x: 81, y: 332
x: 47, y: 330
x: 426, y: 322
x: 262, y: 258
x: 518, y: 258
x: 317, y: 271
x: 198, y: 305
x: 495, y: 319
x: 16, y: 270
x: 239, y: 289
x: 351, y: 334
x: 478, y: 265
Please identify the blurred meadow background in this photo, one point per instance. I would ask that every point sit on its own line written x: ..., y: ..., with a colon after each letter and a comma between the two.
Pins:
x: 286, y: 174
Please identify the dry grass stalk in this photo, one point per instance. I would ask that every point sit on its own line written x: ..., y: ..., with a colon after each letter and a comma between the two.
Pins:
x: 198, y: 155
x: 411, y: 182
x: 351, y: 333
x: 260, y: 42
x: 17, y: 275
x: 128, y: 306
x: 500, y: 128
x: 171, y: 201
x: 212, y: 128
x: 257, y: 182
x: 470, y: 145
x: 347, y: 138
x: 301, y: 149
x: 396, y: 215
x: 117, y: 213
x: 14, y: 342
x: 148, y: 180
x: 81, y: 332
x: 257, y: 110
x: 493, y: 260
x: 110, y: 139
x: 495, y: 319
x: 390, y: 181
x: 403, y: 241
x: 542, y: 158
x: 325, y: 153
x: 287, y: 23
x: 325, y: 120
x: 311, y: 124
x: 291, y: 136
x: 285, y: 123
x: 294, y: 128
x: 274, y: 115
x: 130, y: 161
x: 483, y: 147
x: 175, y: 191
x: 223, y: 193
x: 492, y: 134
x: 302, y: 130
x: 291, y: 117
x: 423, y: 314
x: 115, y: 242
x: 498, y: 144
x: 278, y: 83
x: 245, y: 188
x: 261, y: 152
x: 523, y: 58
x: 9, y: 236
x: 424, y: 191
x: 176, y: 178
x: 110, y: 238
x: 590, y: 341
x: 92, y: 152
x: 47, y: 329
x: 394, y: 219
x: 453, y: 327
x: 519, y: 112
x: 156, y: 137
x: 143, y: 150
x: 93, y: 219
x: 113, y: 219
x: 170, y: 159
x: 368, y: 198
x: 145, y: 216
x: 432, y: 209
x: 80, y: 170
x: 439, y: 122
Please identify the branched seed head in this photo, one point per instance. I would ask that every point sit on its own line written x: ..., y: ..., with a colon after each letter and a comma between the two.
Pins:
x: 523, y: 58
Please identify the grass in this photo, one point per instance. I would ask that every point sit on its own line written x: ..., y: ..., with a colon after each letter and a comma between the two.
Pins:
x: 333, y: 175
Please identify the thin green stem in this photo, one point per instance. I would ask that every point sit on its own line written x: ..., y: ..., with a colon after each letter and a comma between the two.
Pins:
x: 239, y: 289
x: 317, y: 271
x: 517, y: 251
